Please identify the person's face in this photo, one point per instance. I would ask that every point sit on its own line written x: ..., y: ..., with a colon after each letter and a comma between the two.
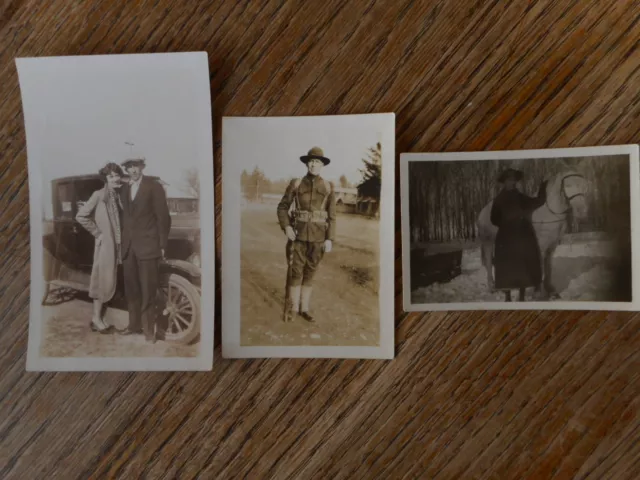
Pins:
x: 114, y: 180
x: 510, y: 183
x: 134, y: 171
x: 315, y: 166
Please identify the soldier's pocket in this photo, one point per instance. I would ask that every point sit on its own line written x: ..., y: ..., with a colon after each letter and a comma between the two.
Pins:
x: 299, y: 227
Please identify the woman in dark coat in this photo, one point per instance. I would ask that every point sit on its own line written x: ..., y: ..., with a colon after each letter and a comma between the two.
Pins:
x: 517, y: 258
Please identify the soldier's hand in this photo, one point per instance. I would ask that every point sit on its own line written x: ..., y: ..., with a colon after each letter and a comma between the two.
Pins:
x: 327, y: 246
x: 291, y: 235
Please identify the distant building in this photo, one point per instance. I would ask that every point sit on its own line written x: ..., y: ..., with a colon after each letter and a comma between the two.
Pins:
x: 180, y: 202
x: 346, y: 199
x: 368, y: 206
x: 182, y: 205
x: 271, y: 198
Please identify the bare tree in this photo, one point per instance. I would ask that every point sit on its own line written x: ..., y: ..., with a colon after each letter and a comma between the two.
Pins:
x: 446, y: 197
x: 192, y: 182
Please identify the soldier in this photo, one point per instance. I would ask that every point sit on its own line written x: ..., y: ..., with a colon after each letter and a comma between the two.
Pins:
x: 310, y: 230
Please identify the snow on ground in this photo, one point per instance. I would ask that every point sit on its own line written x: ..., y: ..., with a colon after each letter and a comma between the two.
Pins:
x: 586, y: 249
x: 580, y: 273
x: 590, y: 286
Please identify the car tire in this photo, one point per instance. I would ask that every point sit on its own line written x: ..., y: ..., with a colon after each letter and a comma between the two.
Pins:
x: 176, y: 290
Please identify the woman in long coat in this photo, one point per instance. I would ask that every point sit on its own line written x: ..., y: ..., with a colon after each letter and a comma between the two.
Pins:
x: 100, y: 216
x: 517, y: 258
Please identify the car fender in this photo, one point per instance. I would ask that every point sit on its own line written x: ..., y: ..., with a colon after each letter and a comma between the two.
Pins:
x: 183, y: 268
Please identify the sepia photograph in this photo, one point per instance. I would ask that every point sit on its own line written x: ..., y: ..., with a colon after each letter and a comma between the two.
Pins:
x: 308, y: 236
x: 120, y: 161
x: 530, y: 229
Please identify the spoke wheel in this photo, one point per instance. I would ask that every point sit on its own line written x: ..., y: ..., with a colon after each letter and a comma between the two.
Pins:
x: 181, y: 310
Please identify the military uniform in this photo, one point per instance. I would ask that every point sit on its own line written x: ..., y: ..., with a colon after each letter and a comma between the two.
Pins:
x: 309, y: 207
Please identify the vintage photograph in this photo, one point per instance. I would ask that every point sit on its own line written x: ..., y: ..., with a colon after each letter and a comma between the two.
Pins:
x: 537, y: 229
x: 308, y: 236
x: 120, y: 166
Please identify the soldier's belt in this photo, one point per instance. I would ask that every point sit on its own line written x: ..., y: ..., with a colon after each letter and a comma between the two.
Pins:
x: 318, y: 216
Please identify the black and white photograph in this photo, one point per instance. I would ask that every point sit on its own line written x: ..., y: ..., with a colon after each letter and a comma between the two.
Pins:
x: 530, y: 229
x: 308, y: 236
x: 120, y: 159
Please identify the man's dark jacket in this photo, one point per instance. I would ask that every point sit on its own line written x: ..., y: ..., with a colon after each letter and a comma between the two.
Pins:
x: 146, y: 220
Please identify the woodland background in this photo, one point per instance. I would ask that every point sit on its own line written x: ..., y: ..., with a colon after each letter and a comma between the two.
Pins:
x: 255, y: 184
x: 445, y: 198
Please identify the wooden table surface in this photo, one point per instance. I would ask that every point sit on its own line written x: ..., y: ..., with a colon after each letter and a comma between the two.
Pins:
x: 469, y: 395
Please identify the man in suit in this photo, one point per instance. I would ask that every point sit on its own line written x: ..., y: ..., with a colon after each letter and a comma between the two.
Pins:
x: 145, y: 230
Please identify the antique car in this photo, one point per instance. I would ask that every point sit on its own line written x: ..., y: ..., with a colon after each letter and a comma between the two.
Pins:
x: 68, y: 257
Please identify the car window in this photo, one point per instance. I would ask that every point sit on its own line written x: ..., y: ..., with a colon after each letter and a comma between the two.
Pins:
x: 85, y: 188
x: 64, y: 207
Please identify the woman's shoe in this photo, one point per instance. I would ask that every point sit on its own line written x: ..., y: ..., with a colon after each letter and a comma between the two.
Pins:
x: 94, y: 328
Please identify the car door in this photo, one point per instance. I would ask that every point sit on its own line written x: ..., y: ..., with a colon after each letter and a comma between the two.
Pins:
x: 65, y: 225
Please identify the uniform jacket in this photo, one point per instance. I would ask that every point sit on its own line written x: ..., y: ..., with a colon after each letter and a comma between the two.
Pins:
x: 94, y: 217
x: 145, y: 220
x: 311, y: 193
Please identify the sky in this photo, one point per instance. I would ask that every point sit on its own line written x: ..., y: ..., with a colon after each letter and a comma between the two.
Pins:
x: 81, y: 115
x: 275, y: 144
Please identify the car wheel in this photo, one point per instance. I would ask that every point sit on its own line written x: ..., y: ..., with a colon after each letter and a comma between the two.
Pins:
x: 181, y: 310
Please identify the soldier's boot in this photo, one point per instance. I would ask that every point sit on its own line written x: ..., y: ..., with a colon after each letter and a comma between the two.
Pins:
x: 287, y: 315
x: 294, y: 303
x: 304, y: 310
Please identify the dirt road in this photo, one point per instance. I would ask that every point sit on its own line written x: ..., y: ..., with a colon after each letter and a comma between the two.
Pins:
x: 66, y: 333
x: 345, y: 295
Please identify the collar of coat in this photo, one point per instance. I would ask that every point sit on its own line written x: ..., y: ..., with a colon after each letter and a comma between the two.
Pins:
x: 139, y: 182
x: 313, y: 178
x: 104, y: 195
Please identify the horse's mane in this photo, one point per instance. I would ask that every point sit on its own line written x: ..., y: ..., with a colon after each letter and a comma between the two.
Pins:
x: 556, y: 201
x: 558, y: 176
x: 555, y: 179
x: 553, y: 187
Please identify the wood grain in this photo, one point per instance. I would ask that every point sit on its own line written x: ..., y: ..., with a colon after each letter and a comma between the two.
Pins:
x: 470, y: 395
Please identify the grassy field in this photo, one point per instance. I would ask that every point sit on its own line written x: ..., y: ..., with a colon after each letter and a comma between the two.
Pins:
x: 345, y: 296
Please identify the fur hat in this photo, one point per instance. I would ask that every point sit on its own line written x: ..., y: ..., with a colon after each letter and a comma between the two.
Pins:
x: 517, y: 175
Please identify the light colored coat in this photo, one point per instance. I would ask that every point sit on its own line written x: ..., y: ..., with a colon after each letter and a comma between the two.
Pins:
x: 94, y: 217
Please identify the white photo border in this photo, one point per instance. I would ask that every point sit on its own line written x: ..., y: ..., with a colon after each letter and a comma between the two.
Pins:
x: 230, y: 268
x: 634, y: 177
x: 204, y: 360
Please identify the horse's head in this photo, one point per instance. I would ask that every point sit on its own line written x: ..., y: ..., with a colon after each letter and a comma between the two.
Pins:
x: 566, y: 191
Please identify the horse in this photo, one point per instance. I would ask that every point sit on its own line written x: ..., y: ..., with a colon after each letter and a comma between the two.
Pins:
x: 565, y: 192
